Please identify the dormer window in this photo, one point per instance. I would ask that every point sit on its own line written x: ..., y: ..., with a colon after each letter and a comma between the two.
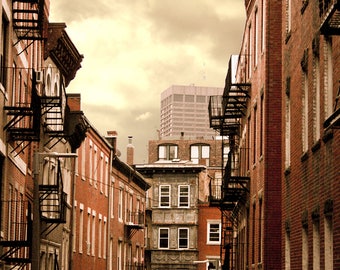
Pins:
x: 167, y: 152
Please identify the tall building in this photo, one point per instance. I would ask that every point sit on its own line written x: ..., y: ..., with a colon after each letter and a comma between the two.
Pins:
x: 310, y: 135
x: 249, y: 113
x: 184, y: 109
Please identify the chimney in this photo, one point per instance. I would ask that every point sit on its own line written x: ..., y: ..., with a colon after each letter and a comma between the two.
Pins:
x: 130, y: 152
x: 112, y: 139
x: 74, y: 102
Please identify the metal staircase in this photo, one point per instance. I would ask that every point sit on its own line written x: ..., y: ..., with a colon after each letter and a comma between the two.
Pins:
x: 28, y: 19
x: 225, y: 114
x: 16, y: 249
x: 51, y: 195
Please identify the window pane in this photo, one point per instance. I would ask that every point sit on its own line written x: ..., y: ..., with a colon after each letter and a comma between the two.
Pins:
x: 163, y: 238
x: 183, y: 238
x: 214, y: 233
x: 183, y: 196
x: 172, y: 152
x: 164, y: 196
x: 205, y: 151
x: 161, y: 152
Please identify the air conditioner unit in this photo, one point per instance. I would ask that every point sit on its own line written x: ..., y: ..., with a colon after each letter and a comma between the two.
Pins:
x: 39, y: 76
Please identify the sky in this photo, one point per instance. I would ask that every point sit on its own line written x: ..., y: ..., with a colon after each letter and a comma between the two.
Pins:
x: 135, y: 49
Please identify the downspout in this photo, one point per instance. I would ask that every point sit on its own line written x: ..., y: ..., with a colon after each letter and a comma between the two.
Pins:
x: 72, y: 217
x: 108, y: 229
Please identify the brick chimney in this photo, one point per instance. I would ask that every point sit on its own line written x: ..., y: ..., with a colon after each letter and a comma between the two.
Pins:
x: 130, y: 151
x: 74, y: 102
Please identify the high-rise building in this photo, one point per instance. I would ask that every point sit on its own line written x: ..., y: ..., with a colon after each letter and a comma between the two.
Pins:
x: 184, y: 108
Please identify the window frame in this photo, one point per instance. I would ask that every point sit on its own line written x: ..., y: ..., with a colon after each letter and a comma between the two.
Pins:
x: 200, y: 152
x: 162, y: 195
x: 209, y: 232
x: 164, y: 238
x: 181, y: 195
x: 184, y: 239
x: 168, y: 152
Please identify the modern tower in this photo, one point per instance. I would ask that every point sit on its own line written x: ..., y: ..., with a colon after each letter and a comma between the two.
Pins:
x: 184, y: 110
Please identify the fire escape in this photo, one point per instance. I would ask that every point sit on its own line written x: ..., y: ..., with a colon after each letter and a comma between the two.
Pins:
x: 225, y: 114
x: 329, y: 12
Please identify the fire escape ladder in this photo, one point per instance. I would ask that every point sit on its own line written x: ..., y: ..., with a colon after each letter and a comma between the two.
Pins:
x: 16, y: 250
x: 329, y: 11
x: 53, y: 112
x: 51, y: 195
x: 28, y: 19
x: 23, y: 124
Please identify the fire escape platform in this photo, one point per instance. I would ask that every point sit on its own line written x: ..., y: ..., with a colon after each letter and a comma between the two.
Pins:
x: 330, y: 17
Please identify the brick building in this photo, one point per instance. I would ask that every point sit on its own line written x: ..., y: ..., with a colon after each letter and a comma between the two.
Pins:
x: 39, y: 134
x: 183, y: 229
x: 249, y: 113
x: 310, y: 134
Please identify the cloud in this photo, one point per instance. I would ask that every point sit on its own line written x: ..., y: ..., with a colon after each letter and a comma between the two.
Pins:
x: 133, y: 50
x: 144, y: 116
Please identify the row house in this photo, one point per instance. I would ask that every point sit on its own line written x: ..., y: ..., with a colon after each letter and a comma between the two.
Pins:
x: 249, y: 115
x: 310, y: 134
x: 39, y: 135
x: 108, y: 214
x: 183, y: 229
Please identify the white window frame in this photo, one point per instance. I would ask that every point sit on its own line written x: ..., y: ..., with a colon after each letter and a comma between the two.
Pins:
x: 179, y: 238
x: 165, y: 238
x: 199, y: 151
x: 167, y: 152
x: 209, y: 232
x: 182, y: 194
x: 163, y: 195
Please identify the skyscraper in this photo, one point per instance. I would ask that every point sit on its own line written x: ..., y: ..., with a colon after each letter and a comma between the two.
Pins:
x: 184, y: 110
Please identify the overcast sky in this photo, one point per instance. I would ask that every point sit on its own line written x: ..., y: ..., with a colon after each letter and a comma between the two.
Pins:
x: 135, y: 49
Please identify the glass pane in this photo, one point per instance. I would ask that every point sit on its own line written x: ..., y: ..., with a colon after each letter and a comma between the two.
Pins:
x: 205, y: 151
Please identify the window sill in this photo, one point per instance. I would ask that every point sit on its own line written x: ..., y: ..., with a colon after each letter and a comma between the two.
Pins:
x: 304, y: 156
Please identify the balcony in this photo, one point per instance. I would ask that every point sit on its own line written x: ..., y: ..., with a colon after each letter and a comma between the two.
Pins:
x: 28, y: 19
x: 23, y: 111
x: 135, y: 221
x: 16, y: 246
x: 52, y: 198
x: 329, y: 11
x: 226, y: 112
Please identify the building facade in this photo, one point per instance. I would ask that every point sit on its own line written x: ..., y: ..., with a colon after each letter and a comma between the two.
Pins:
x: 310, y: 134
x: 249, y: 114
x: 39, y: 135
x: 184, y: 110
x: 183, y: 230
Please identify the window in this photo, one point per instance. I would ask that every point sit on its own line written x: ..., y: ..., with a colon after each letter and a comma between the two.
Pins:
x: 214, y: 232
x: 305, y: 113
x: 81, y: 227
x: 167, y: 152
x: 305, y: 248
x: 163, y: 238
x: 288, y: 16
x: 164, y: 196
x: 120, y: 205
x: 183, y: 195
x: 287, y: 250
x: 328, y: 242
x: 183, y: 238
x: 198, y: 152
x: 316, y: 244
x: 3, y: 49
x: 316, y: 99
x: 288, y: 124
